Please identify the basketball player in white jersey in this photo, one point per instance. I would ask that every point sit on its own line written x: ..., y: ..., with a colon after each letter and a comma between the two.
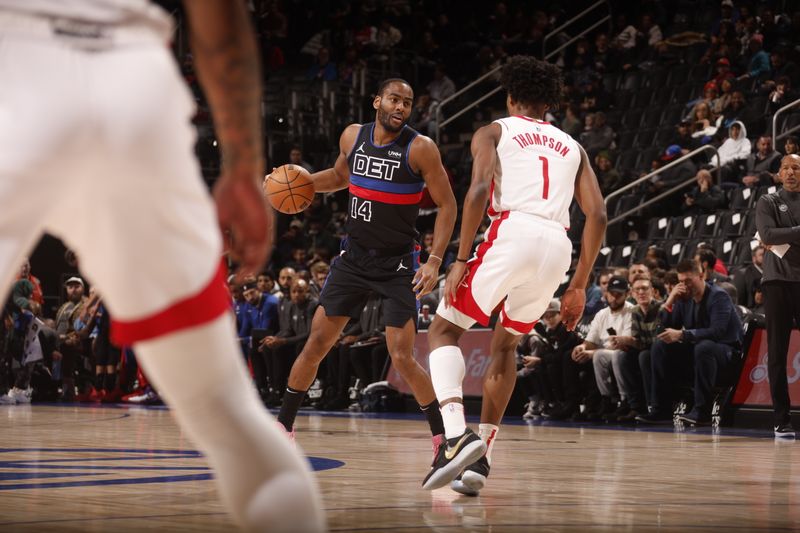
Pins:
x: 95, y: 124
x: 529, y: 171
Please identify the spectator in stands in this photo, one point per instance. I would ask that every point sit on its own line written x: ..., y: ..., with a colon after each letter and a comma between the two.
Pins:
x: 719, y: 266
x: 706, y: 259
x: 636, y: 362
x: 350, y: 66
x: 636, y: 270
x: 323, y: 68
x: 299, y: 261
x: 782, y: 67
x: 758, y: 302
x: 701, y: 332
x: 319, y: 273
x: 791, y: 146
x: 571, y: 124
x: 737, y: 110
x: 68, y: 339
x: 722, y: 71
x: 683, y: 137
x: 295, y: 325
x: 747, y: 278
x: 285, y: 278
x: 705, y: 197
x: 781, y: 95
x: 265, y: 282
x: 260, y: 318
x: 387, y: 37
x: 762, y: 165
x: 724, y: 98
x: 596, y: 294
x: 611, y: 321
x: 758, y: 63
x: 367, y: 342
x: 704, y: 123
x: 597, y: 135
x: 733, y: 152
x: 607, y: 175
x: 425, y: 318
x: 25, y: 273
x: 296, y: 158
x: 659, y: 255
x: 442, y: 87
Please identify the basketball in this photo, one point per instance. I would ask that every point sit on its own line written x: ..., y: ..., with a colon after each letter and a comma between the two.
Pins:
x: 289, y: 189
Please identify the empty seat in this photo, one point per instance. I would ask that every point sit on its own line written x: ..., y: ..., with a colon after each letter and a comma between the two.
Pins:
x: 626, y: 203
x: 603, y: 257
x: 706, y: 226
x: 625, y: 139
x: 631, y: 119
x: 681, y: 227
x: 642, y: 97
x: 726, y: 250
x: 658, y: 229
x: 732, y: 224
x: 623, y: 255
x: 675, y: 251
x: 644, y: 139
x: 743, y: 198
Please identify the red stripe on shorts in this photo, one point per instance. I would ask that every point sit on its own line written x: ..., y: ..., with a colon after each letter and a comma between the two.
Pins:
x: 521, y: 327
x: 464, y: 301
x: 200, y: 308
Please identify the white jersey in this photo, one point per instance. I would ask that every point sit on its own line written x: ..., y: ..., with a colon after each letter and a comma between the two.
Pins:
x: 115, y: 12
x: 538, y: 164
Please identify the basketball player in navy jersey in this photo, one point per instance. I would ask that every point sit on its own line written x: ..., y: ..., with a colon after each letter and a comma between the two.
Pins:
x: 385, y: 164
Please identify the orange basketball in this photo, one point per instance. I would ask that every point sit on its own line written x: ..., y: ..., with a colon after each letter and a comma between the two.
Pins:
x: 289, y: 189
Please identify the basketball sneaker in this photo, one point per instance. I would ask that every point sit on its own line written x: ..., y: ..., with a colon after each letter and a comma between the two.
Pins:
x: 472, y: 479
x: 8, y: 398
x: 784, y: 431
x: 452, y: 457
x: 21, y: 395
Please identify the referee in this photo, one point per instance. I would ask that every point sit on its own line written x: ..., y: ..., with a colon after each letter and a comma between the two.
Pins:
x: 777, y: 217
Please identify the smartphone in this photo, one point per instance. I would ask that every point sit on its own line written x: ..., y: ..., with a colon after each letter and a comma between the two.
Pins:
x: 611, y: 331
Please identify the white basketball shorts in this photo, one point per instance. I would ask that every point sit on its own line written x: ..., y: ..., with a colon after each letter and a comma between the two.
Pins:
x: 98, y: 149
x: 521, y: 263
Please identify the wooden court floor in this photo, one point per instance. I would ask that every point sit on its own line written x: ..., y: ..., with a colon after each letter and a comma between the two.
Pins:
x: 76, y: 468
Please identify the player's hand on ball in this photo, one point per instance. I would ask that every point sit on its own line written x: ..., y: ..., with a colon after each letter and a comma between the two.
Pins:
x: 243, y: 215
x: 572, y: 304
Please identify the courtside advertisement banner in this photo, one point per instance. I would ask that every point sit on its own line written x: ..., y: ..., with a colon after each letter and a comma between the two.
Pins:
x: 753, y: 387
x: 475, y: 347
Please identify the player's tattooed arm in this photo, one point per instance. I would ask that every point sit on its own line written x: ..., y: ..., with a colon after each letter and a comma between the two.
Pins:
x: 590, y: 200
x: 227, y: 63
x: 424, y: 155
x: 338, y: 177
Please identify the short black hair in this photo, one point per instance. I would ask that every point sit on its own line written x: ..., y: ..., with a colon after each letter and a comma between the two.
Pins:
x: 706, y: 256
x: 686, y: 266
x: 531, y: 81
x: 388, y: 81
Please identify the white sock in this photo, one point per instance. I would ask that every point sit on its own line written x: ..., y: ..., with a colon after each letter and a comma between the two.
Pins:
x: 488, y: 433
x: 263, y: 481
x: 453, y: 417
x: 447, y: 373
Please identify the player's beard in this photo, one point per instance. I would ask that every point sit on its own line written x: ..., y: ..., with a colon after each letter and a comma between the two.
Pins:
x: 385, y: 120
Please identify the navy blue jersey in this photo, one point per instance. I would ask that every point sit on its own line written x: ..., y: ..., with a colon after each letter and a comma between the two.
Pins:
x: 384, y: 192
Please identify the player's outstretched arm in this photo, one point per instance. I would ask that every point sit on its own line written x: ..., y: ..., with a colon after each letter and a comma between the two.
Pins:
x: 484, y: 163
x: 337, y: 177
x: 227, y: 64
x: 425, y: 155
x: 590, y: 200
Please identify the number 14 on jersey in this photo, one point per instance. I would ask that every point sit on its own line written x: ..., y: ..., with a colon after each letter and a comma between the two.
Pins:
x: 361, y: 209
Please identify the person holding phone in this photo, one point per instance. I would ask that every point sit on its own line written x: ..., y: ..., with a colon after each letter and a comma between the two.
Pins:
x: 603, y: 348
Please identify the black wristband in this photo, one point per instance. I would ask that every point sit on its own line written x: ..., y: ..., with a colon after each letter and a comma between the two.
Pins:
x: 461, y: 260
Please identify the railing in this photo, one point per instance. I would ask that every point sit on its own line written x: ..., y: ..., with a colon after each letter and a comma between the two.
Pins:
x: 577, y: 17
x: 775, y: 137
x: 664, y: 194
x: 438, y: 114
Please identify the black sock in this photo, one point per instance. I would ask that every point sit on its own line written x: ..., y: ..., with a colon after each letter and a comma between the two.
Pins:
x: 99, y: 379
x: 292, y: 400
x: 434, y: 416
x: 111, y: 381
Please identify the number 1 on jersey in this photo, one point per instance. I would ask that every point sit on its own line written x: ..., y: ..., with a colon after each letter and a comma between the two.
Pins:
x: 546, y: 176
